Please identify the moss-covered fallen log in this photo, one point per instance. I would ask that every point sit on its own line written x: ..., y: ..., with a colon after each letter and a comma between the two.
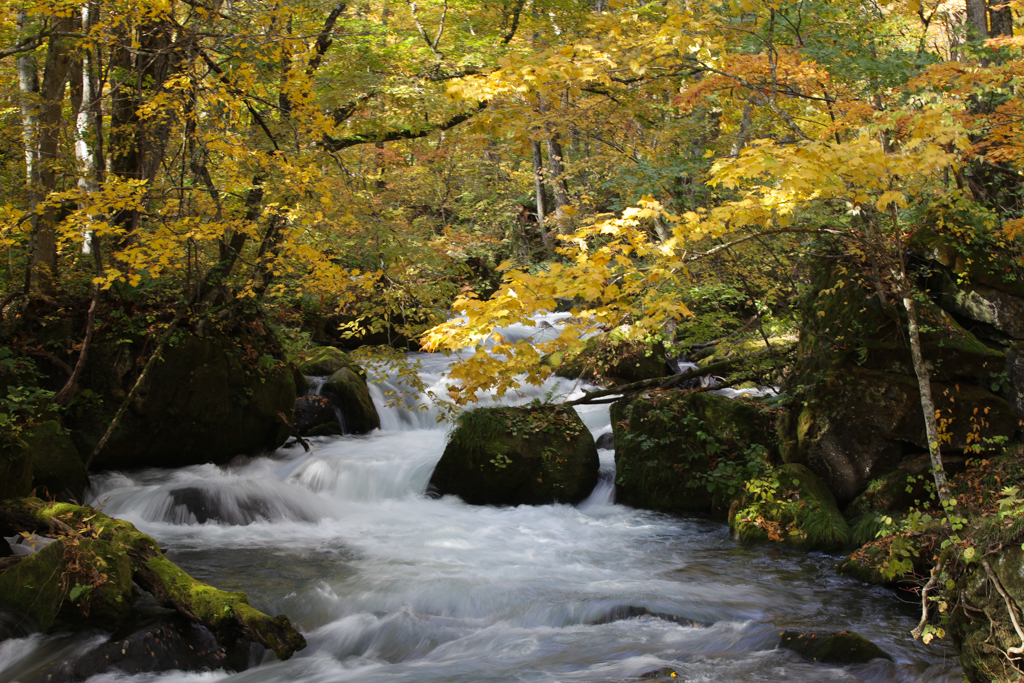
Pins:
x: 227, y: 614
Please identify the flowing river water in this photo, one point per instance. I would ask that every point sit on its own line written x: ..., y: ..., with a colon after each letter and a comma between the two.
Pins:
x: 391, y: 585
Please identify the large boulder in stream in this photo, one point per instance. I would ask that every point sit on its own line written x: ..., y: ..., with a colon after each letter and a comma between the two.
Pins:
x: 841, y: 647
x: 212, y: 397
x: 681, y: 451
x: 616, y: 357
x: 529, y: 455
x: 345, y: 388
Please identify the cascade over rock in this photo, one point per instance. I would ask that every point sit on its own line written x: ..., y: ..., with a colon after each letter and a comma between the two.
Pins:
x: 528, y: 455
x: 208, y: 400
x: 666, y: 441
x: 345, y: 388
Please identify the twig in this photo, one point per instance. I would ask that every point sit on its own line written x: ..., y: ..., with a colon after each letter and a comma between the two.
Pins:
x: 936, y: 570
x: 295, y: 432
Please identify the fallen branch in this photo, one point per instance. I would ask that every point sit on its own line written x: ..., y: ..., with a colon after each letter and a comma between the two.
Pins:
x: 294, y: 430
x: 227, y: 614
x: 666, y: 383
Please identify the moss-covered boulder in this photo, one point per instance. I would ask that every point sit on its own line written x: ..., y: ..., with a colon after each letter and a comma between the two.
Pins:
x: 15, y: 466
x: 325, y: 360
x: 70, y: 584
x: 789, y: 504
x: 348, y: 391
x: 981, y: 626
x: 856, y: 425
x: 57, y: 468
x: 842, y: 647
x: 530, y: 455
x: 212, y: 397
x: 616, y: 357
x: 679, y: 451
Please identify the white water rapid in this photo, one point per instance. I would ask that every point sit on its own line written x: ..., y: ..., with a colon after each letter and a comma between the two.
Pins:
x: 392, y: 586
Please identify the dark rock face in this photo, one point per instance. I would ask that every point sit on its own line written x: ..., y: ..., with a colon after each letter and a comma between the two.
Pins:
x: 15, y: 467
x: 843, y: 647
x: 518, y: 456
x: 207, y: 401
x: 857, y: 425
x: 312, y: 412
x: 859, y: 416
x: 666, y: 441
x: 57, y: 468
x: 347, y: 390
x: 606, y: 441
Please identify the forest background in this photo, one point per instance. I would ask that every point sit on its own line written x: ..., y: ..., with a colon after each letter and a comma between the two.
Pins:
x: 368, y: 168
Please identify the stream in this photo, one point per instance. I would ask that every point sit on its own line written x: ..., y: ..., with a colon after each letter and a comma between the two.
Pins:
x: 391, y: 585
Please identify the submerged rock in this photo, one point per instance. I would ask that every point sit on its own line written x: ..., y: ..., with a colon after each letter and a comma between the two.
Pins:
x: 668, y: 443
x: 605, y: 442
x: 842, y: 647
x: 518, y: 456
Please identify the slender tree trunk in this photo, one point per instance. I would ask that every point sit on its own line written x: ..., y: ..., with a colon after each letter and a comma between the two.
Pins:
x: 977, y: 18
x: 538, y: 187
x: 28, y: 84
x: 927, y: 404
x: 558, y: 185
x: 1001, y: 18
x: 43, y: 268
x: 744, y: 132
x: 85, y: 124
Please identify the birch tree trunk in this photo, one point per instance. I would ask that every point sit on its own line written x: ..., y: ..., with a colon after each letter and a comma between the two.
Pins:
x: 538, y: 187
x: 924, y: 385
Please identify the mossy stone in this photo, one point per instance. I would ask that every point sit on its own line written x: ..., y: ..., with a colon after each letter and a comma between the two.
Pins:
x: 529, y: 455
x: 326, y: 360
x: 615, y: 357
x: 666, y: 441
x: 348, y: 391
x: 211, y: 398
x: 57, y: 468
x: 801, y: 511
x: 843, y: 647
x: 15, y: 467
x: 82, y: 583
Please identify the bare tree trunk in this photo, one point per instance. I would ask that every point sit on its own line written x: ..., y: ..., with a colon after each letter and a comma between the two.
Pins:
x: 977, y: 18
x: 43, y: 268
x: 538, y: 186
x: 558, y: 185
x: 28, y: 84
x: 741, y: 137
x: 85, y: 124
x: 1001, y: 17
x: 927, y: 404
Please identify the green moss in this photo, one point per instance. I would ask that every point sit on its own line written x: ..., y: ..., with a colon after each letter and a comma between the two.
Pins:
x: 327, y: 360
x: 518, y: 455
x: 71, y: 584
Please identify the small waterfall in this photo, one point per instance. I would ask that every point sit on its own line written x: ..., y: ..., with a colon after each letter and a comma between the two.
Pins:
x: 316, y: 386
